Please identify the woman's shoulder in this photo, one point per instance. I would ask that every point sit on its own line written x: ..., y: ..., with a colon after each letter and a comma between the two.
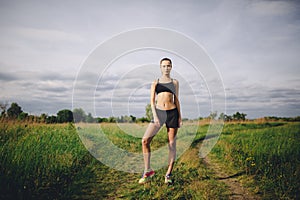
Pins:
x: 154, y: 83
x: 175, y: 81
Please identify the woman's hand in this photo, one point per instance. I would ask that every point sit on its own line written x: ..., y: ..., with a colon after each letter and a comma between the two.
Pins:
x: 156, y: 121
x: 180, y: 122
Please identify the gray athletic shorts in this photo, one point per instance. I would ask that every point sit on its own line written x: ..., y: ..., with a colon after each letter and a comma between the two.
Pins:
x: 168, y: 117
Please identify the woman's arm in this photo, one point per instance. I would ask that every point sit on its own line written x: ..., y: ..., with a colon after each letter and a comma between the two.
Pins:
x: 176, y: 101
x: 152, y: 102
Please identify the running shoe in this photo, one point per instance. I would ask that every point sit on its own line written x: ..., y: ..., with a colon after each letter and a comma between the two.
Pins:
x: 146, y: 177
x: 168, y: 179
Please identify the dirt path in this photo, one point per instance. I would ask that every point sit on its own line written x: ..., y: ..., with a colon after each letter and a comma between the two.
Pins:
x: 237, y: 191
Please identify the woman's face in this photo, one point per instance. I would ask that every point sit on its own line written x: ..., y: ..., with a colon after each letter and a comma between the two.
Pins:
x: 165, y: 67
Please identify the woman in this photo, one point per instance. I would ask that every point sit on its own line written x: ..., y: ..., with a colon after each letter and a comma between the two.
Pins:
x: 166, y: 110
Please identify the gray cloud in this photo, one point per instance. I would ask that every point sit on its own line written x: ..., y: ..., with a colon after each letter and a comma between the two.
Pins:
x: 255, y: 45
x: 262, y: 99
x: 7, y: 77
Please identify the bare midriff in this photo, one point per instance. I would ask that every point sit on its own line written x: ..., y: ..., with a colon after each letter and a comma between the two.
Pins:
x: 165, y: 101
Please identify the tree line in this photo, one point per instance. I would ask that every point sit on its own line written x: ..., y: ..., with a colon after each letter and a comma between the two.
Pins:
x: 15, y: 112
x: 238, y: 116
x: 235, y: 117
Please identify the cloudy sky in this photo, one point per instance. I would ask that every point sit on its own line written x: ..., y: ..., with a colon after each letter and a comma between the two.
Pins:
x: 254, y: 45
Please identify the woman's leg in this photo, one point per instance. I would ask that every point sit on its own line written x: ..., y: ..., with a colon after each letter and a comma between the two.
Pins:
x: 146, y: 140
x: 172, y: 148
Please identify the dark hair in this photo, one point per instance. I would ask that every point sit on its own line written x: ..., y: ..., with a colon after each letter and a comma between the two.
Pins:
x: 167, y: 59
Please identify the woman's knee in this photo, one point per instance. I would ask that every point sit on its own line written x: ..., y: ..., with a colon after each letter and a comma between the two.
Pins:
x: 146, y: 141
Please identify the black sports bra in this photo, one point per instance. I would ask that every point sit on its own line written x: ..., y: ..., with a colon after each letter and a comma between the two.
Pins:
x: 165, y: 87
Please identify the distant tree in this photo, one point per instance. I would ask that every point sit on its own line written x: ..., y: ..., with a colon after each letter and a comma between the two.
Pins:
x: 100, y: 119
x: 111, y: 119
x: 273, y: 118
x: 297, y: 119
x: 79, y: 115
x: 14, y: 111
x: 22, y: 116
x: 213, y: 115
x: 43, y: 117
x: 90, y: 118
x: 185, y: 119
x: 64, y: 116
x: 3, y: 107
x: 243, y: 116
x: 132, y: 118
x: 31, y: 118
x: 120, y: 119
x: 228, y: 118
x: 149, y: 112
x: 51, y: 119
x: 142, y: 119
x: 222, y: 116
x: 127, y: 119
x: 239, y: 116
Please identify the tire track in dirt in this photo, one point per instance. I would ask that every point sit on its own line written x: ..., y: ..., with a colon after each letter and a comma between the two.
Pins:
x: 237, y: 191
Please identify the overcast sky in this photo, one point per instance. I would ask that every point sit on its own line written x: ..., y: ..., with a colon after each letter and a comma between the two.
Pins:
x: 255, y: 46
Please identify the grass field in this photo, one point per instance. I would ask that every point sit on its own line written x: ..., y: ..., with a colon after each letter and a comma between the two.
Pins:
x: 41, y: 161
x: 268, y: 152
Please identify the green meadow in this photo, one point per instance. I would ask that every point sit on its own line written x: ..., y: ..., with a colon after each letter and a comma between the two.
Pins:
x: 50, y: 161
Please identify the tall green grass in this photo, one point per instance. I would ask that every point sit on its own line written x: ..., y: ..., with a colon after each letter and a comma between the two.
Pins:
x: 45, y: 162
x: 50, y: 162
x: 41, y: 161
x: 269, y: 152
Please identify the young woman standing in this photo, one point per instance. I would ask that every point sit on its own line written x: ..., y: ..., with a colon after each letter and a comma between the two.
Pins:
x: 165, y: 107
